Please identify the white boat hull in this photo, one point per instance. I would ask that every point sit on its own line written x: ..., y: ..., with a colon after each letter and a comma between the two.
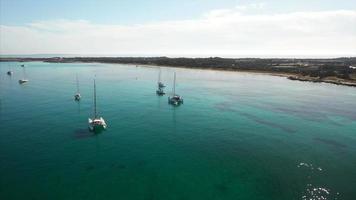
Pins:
x: 22, y: 81
x: 77, y: 97
x: 97, y: 124
x: 175, y: 100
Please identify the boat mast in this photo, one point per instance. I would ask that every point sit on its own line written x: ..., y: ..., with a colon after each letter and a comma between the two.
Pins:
x: 95, y: 115
x: 24, y: 73
x: 159, y: 75
x: 174, y: 84
x: 77, y: 83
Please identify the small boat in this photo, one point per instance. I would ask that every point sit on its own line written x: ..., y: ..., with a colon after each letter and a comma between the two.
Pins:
x: 96, y: 124
x: 77, y: 95
x: 175, y: 100
x: 160, y: 84
x: 24, y: 80
x: 10, y: 72
x: 160, y: 91
x: 22, y: 65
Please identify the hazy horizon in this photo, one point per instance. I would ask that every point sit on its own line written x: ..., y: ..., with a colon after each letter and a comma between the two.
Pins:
x: 175, y: 56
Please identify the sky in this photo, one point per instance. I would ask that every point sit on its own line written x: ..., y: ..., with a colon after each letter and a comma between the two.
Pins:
x: 198, y: 28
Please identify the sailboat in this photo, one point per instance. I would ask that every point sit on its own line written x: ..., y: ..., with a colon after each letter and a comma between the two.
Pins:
x: 160, y: 84
x: 24, y: 80
x: 96, y: 123
x: 9, y: 72
x: 175, y: 99
x: 160, y: 91
x: 77, y: 95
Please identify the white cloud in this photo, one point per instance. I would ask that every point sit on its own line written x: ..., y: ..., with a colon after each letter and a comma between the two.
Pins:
x: 253, y: 6
x: 219, y: 32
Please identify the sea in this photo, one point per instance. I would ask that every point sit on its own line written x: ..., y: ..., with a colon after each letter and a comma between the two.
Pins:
x: 236, y: 136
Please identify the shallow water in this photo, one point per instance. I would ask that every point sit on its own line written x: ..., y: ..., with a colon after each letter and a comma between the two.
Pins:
x: 237, y: 135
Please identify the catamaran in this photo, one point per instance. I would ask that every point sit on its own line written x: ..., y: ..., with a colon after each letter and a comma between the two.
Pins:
x: 175, y: 99
x: 96, y: 123
x: 77, y: 95
x: 160, y: 90
x: 24, y: 80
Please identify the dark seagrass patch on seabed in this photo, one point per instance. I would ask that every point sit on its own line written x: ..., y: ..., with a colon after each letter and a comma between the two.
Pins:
x: 269, y: 123
x: 330, y: 142
x: 228, y: 107
x: 221, y: 187
x: 225, y: 106
x: 90, y: 168
x: 82, y: 133
x: 118, y: 166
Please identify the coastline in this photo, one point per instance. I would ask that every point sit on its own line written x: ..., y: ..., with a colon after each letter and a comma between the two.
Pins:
x: 289, y: 76
x: 333, y: 71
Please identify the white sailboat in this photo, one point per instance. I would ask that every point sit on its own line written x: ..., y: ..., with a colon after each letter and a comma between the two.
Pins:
x: 10, y: 72
x: 96, y: 123
x: 24, y: 79
x: 160, y: 90
x: 175, y: 99
x: 160, y: 84
x: 77, y: 95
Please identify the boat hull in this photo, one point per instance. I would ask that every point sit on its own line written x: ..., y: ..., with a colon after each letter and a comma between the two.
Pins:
x: 161, y: 85
x: 77, y: 97
x: 160, y: 92
x: 174, y: 101
x: 23, y: 81
x: 96, y: 125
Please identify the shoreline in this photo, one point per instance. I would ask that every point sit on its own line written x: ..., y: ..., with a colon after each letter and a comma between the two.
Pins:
x: 289, y: 76
x: 333, y: 71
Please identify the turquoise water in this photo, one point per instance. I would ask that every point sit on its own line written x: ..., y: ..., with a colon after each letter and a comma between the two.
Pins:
x: 237, y: 135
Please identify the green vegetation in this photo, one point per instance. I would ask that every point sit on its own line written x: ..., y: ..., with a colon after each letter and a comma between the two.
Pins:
x: 317, y: 70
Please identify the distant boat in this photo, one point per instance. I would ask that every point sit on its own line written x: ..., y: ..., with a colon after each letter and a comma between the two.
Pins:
x: 160, y: 84
x: 96, y: 123
x: 10, y: 72
x: 77, y: 95
x: 22, y: 65
x: 23, y: 80
x: 160, y: 90
x: 175, y: 99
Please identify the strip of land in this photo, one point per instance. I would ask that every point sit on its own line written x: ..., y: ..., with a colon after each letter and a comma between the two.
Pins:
x: 340, y: 71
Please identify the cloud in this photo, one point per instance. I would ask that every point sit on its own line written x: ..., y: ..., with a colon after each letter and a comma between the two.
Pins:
x: 219, y: 32
x: 253, y: 6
